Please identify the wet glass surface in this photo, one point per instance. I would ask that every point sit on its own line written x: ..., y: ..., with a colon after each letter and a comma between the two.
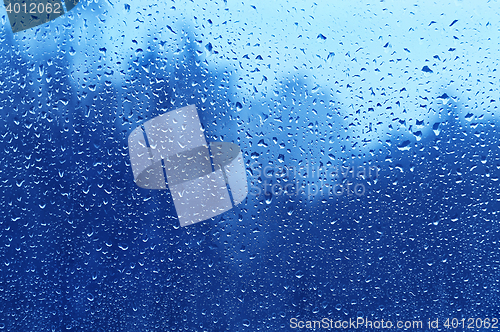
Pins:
x: 367, y: 131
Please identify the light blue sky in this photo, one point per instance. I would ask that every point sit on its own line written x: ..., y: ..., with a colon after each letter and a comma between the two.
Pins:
x: 360, y: 53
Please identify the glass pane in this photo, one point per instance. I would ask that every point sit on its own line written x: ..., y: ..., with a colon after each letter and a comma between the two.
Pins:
x: 245, y: 166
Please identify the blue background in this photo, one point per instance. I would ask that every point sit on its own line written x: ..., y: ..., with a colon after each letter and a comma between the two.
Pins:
x: 83, y: 248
